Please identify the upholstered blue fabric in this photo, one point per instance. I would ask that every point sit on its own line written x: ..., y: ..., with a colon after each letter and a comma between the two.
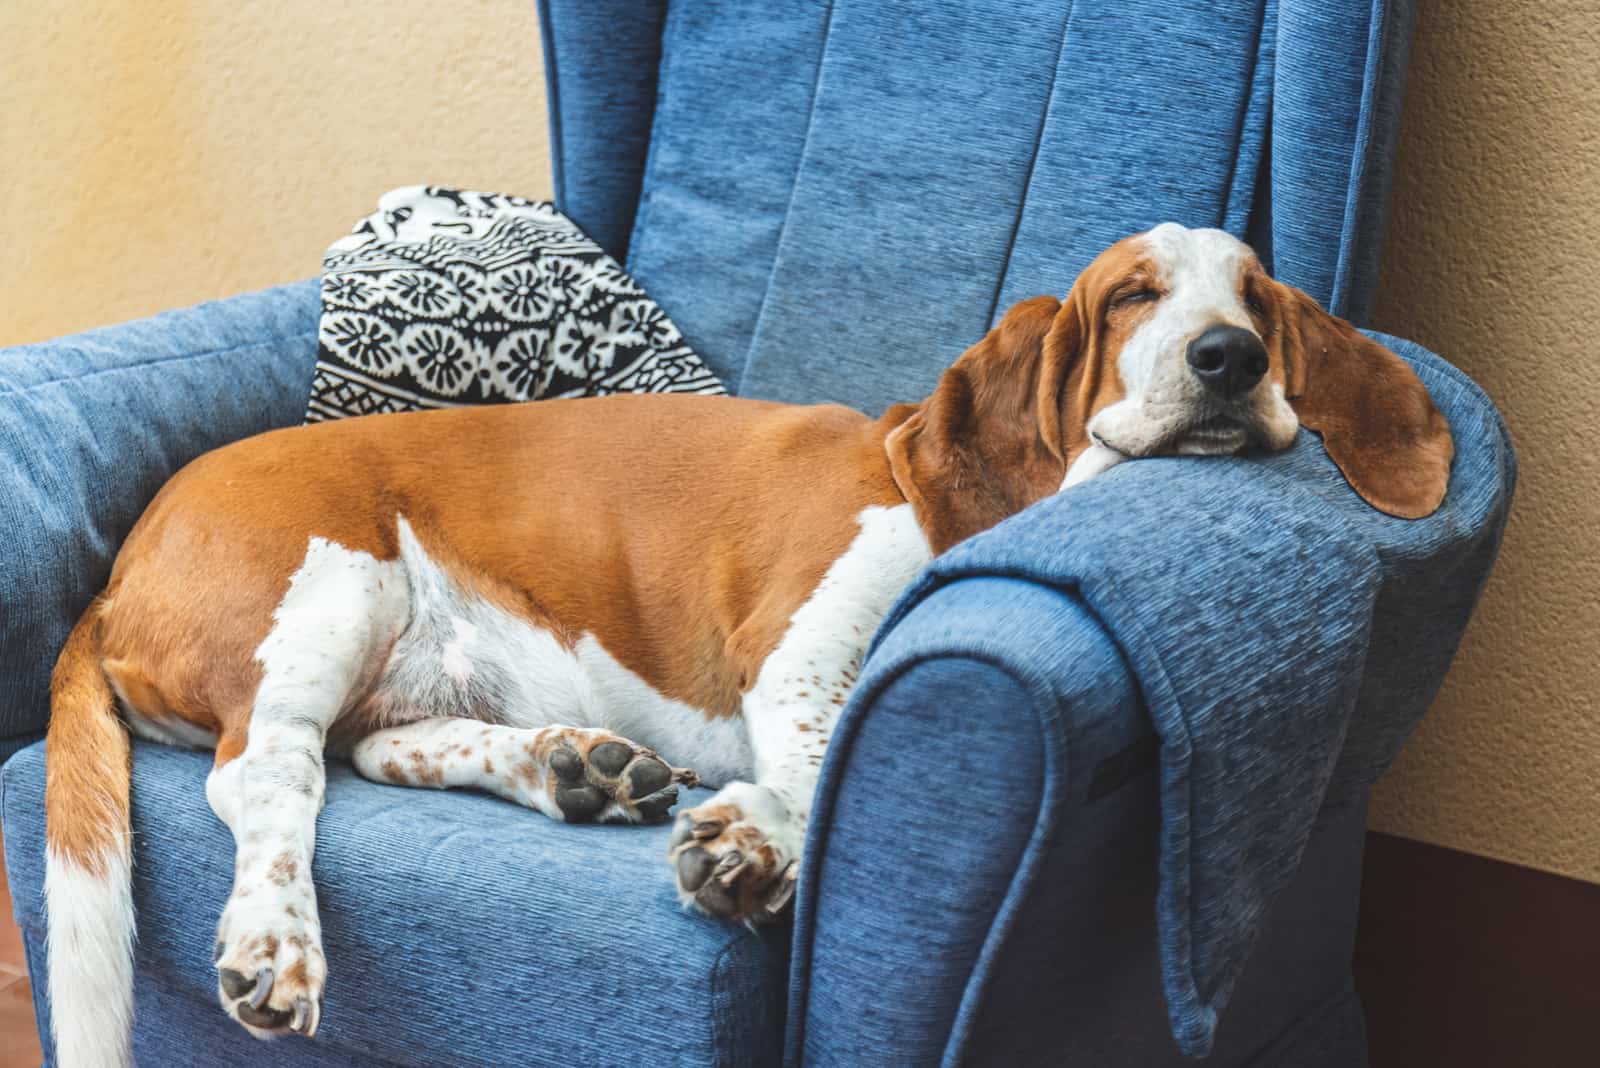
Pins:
x: 600, y: 67
x: 907, y: 170
x: 92, y: 425
x: 1243, y: 594
x: 1023, y: 896
x: 460, y: 930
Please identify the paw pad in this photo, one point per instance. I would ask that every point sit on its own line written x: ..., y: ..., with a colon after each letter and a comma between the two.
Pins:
x: 614, y: 780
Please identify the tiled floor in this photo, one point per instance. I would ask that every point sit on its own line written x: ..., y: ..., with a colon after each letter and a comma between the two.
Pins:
x: 19, y: 1043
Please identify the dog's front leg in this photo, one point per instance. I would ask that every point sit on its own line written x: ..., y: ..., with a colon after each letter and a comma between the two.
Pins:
x: 738, y: 855
x: 343, y: 609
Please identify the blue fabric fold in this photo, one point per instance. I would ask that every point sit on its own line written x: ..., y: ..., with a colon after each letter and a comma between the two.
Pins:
x: 1270, y: 618
x: 90, y: 427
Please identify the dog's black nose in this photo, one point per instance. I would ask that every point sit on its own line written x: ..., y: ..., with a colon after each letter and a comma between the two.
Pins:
x: 1228, y: 359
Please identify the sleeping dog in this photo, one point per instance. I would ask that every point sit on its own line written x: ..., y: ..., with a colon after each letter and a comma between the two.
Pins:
x: 511, y: 599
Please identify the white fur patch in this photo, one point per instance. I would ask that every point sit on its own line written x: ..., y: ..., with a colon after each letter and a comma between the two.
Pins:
x: 91, y: 931
x: 716, y: 747
x: 805, y: 682
x: 1095, y: 460
x: 463, y: 657
x: 175, y: 732
x: 1200, y: 273
x: 792, y: 709
x: 330, y: 632
x: 341, y: 610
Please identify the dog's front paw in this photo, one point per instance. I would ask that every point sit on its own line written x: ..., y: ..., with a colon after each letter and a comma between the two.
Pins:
x: 270, y: 967
x: 737, y: 856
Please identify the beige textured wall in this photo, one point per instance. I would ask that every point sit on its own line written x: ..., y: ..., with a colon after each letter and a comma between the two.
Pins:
x: 154, y: 154
x: 1494, y: 261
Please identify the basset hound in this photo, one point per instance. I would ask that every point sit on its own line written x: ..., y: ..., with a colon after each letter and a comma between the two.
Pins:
x: 562, y: 602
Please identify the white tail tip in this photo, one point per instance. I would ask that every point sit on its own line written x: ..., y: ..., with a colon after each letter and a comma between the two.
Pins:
x: 91, y: 927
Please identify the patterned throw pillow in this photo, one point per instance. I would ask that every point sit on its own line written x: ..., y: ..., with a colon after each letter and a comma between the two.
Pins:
x: 445, y: 297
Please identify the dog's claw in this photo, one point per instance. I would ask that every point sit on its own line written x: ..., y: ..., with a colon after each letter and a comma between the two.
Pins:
x: 301, y: 1015
x: 785, y: 892
x: 263, y: 990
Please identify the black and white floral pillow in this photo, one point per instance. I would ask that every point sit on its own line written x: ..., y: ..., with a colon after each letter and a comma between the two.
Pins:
x: 445, y: 297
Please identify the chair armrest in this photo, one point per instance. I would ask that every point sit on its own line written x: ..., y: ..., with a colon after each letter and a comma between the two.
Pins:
x: 989, y: 717
x: 1284, y: 636
x: 92, y: 425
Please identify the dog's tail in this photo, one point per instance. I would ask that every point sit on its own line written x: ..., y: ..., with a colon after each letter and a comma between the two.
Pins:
x: 88, y: 865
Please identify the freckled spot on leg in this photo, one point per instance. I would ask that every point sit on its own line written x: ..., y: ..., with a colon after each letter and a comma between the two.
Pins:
x: 267, y: 945
x: 283, y: 870
x: 466, y: 751
x: 802, y: 726
x: 295, y: 974
x: 488, y: 766
x: 391, y: 771
x: 803, y: 693
x: 423, y: 771
x: 292, y: 912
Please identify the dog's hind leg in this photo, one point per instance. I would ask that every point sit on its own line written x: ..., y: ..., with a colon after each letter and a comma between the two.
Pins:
x: 574, y: 774
x: 330, y: 633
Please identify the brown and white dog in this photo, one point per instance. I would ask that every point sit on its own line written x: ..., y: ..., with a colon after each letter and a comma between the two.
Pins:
x: 536, y: 600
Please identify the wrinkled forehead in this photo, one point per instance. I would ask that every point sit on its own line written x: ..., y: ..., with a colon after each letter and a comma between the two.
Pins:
x: 1186, y: 260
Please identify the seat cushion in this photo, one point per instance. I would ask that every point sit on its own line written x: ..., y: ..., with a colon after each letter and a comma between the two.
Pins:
x: 460, y: 929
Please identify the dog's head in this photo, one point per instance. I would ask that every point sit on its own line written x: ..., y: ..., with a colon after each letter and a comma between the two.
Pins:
x: 1172, y: 342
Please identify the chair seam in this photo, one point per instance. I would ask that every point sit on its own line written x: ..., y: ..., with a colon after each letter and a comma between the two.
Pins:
x: 788, y: 210
x: 1268, y: 8
x: 1033, y: 160
x: 1360, y: 156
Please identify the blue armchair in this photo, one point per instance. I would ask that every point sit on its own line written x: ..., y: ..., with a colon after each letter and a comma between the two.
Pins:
x: 832, y: 200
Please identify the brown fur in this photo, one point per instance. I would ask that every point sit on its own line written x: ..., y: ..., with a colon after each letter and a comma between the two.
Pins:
x: 1009, y: 417
x: 86, y: 780
x: 688, y: 579
x: 1377, y: 420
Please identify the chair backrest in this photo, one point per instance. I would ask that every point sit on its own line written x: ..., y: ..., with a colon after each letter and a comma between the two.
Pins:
x: 833, y: 199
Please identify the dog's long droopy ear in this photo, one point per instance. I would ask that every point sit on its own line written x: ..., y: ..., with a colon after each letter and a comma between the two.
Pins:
x: 979, y: 448
x: 1376, y: 419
